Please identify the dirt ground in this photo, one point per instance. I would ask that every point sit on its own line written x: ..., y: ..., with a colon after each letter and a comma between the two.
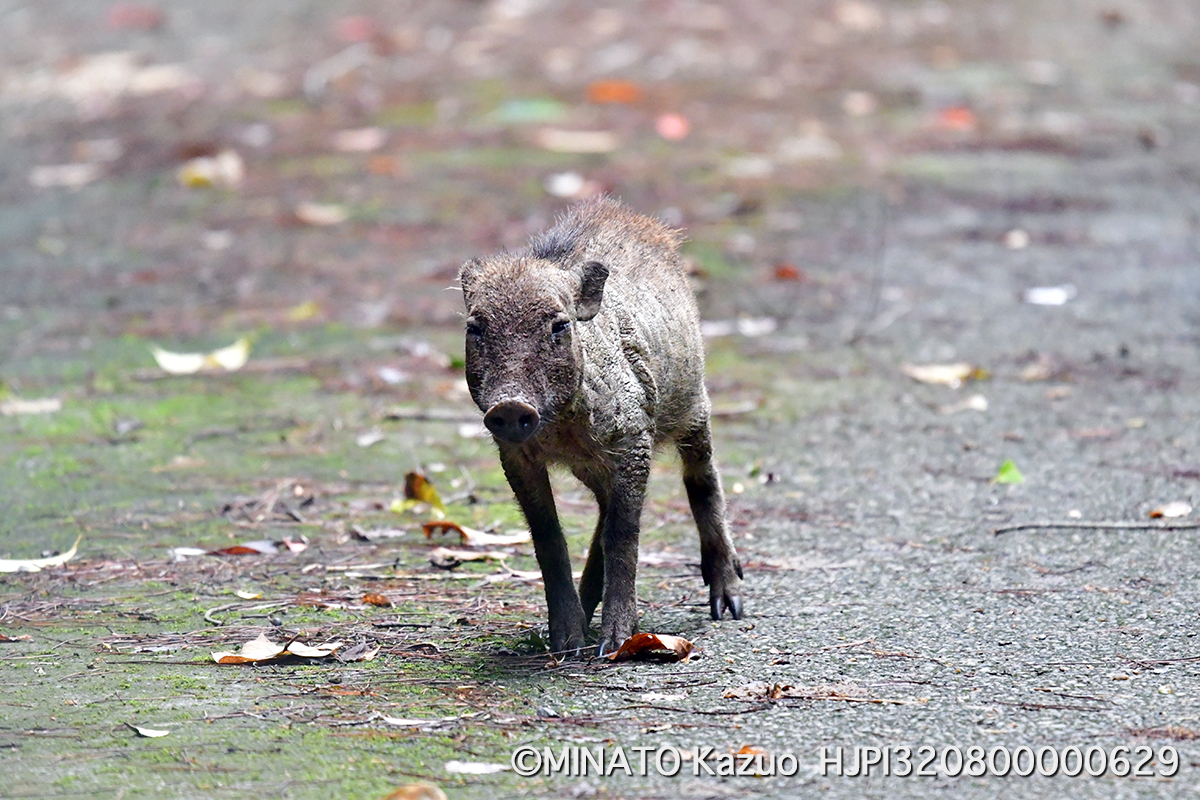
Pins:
x: 867, y: 187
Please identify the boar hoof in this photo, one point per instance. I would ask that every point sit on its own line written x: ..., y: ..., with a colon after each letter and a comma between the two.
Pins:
x: 612, y: 637
x: 512, y: 421
x: 719, y: 601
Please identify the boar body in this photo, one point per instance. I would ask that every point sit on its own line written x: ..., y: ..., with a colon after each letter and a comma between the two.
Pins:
x: 585, y: 350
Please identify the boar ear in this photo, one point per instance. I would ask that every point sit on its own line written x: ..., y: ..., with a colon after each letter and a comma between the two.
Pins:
x: 591, y: 290
x: 467, y: 275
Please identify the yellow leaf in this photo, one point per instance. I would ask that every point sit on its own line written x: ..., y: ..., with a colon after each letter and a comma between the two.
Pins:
x: 36, y: 564
x: 418, y: 487
x: 229, y: 358
x: 304, y: 311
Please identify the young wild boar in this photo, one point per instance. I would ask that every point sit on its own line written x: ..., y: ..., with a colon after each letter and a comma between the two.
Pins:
x: 585, y: 350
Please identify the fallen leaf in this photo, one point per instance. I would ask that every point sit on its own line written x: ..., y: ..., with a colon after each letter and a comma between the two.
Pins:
x: 6, y: 638
x: 474, y: 767
x: 376, y: 599
x: 416, y: 791
x: 229, y: 358
x: 307, y: 651
x: 614, y: 91
x: 472, y: 537
x: 1179, y: 508
x: 563, y: 141
x: 1008, y: 473
x: 527, y: 111
x: 653, y: 647
x: 672, y: 127
x: 70, y: 176
x: 357, y: 28
x: 565, y: 184
x: 952, y: 375
x: 788, y: 272
x: 957, y: 118
x: 301, y: 312
x: 259, y: 548
x: 745, y: 326
x: 359, y: 140
x: 260, y: 649
x: 321, y: 214
x: 263, y: 649
x: 1050, y: 295
x: 418, y: 487
x: 149, y: 733
x: 1018, y: 239
x: 369, y: 438
x: 225, y: 170
x: 37, y: 564
x: 133, y: 16
x: 248, y: 595
x: 44, y: 405
x: 975, y: 402
x: 360, y: 652
x: 751, y: 750
x: 445, y: 558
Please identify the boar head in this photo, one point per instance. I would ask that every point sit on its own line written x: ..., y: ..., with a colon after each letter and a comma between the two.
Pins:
x: 524, y: 360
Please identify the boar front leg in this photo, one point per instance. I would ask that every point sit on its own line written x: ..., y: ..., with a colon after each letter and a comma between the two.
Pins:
x: 531, y: 484
x: 718, y: 560
x: 622, y: 524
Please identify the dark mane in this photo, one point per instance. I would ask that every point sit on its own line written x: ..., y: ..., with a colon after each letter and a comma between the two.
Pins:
x: 558, y: 242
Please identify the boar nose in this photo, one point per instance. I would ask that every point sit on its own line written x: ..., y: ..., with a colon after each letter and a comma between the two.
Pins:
x: 512, y: 420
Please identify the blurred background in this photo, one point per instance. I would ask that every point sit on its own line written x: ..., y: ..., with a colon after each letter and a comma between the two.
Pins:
x: 181, y: 170
x: 300, y: 181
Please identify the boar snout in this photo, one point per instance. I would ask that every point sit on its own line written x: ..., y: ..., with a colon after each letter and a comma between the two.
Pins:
x: 512, y: 420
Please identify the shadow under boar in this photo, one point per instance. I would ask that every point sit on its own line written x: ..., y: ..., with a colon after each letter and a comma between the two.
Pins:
x: 585, y: 350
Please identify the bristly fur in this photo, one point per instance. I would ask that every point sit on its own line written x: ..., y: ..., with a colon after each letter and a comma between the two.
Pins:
x: 593, y: 334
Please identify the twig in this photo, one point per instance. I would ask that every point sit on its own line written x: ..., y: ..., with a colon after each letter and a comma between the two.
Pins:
x: 730, y: 713
x: 1099, y: 526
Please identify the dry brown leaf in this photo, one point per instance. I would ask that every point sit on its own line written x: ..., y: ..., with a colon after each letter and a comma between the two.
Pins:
x: 22, y: 638
x: 752, y: 750
x: 952, y: 375
x: 360, y: 652
x: 473, y: 537
x: 1179, y: 508
x: 260, y: 548
x: 416, y: 791
x: 376, y: 599
x: 614, y: 91
x: 654, y: 647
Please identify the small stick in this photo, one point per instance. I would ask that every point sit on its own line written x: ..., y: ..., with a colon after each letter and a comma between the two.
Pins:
x: 1086, y: 526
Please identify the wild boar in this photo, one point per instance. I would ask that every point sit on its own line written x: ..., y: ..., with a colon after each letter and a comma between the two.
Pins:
x: 584, y: 350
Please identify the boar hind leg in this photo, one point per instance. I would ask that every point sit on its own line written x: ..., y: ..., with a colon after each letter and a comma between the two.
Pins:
x: 622, y: 523
x: 718, y: 560
x: 531, y: 484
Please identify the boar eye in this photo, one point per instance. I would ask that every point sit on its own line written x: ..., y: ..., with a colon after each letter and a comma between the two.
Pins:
x: 474, y: 331
x: 560, y: 327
